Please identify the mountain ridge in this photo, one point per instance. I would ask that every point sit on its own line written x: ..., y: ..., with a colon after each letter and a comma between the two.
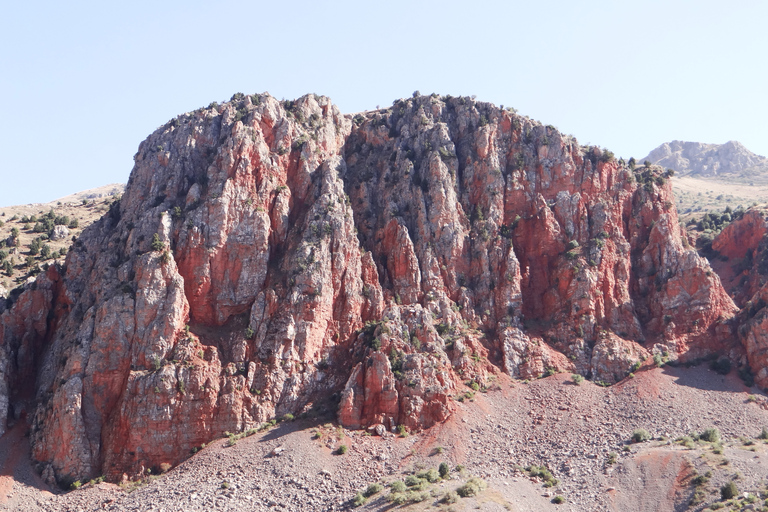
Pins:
x: 730, y: 161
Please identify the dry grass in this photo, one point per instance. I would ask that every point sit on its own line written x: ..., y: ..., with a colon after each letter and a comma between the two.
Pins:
x: 694, y: 197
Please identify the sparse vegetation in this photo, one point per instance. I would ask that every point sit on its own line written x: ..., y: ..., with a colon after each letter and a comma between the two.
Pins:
x: 544, y: 473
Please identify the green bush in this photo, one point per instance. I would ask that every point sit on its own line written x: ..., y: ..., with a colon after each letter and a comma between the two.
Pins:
x: 373, y: 489
x: 577, y: 379
x: 413, y: 481
x: 397, y: 498
x: 445, y: 470
x: 397, y: 486
x: 359, y: 500
x: 640, y: 436
x: 711, y: 435
x: 544, y: 473
x: 557, y: 500
x: 342, y: 449
x: 473, y: 487
x: 449, y: 498
x: 729, y: 491
x: 431, y: 475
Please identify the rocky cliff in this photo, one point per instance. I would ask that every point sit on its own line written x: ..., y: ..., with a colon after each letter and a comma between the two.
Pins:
x: 739, y: 254
x: 730, y: 160
x: 268, y: 254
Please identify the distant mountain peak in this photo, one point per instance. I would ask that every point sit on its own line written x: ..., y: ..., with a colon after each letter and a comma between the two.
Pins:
x: 732, y: 160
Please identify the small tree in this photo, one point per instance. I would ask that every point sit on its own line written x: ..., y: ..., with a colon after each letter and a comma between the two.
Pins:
x: 157, y: 244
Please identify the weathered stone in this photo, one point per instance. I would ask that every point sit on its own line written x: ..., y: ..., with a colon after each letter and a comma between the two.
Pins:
x: 268, y: 254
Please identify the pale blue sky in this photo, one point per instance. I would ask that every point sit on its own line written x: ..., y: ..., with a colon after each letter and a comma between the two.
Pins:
x: 85, y: 82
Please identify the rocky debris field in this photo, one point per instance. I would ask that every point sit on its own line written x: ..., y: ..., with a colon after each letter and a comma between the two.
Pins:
x: 581, y: 433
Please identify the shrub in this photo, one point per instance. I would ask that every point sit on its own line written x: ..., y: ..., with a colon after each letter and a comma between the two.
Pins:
x: 721, y: 366
x: 640, y: 436
x: 764, y: 434
x: 157, y: 244
x: 373, y: 489
x: 342, y: 449
x: 402, y: 431
x: 359, y: 500
x: 413, y: 480
x: 473, y: 487
x: 397, y: 498
x: 711, y: 435
x: 449, y: 498
x: 431, y: 475
x: 746, y: 375
x: 397, y: 486
x: 543, y: 473
x: 445, y: 470
x: 729, y: 491
x: 288, y: 417
x: 557, y: 500
x: 577, y: 379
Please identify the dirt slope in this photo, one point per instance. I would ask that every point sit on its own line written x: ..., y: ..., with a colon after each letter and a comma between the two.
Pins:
x: 569, y: 428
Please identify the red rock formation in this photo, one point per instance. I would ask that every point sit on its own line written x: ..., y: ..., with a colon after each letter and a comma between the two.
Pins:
x: 397, y: 257
x: 740, y: 256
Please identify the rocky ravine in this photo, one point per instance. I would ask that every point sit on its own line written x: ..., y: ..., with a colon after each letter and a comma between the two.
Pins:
x: 268, y: 254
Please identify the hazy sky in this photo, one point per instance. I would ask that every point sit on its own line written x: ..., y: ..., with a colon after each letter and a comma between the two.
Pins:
x: 84, y: 82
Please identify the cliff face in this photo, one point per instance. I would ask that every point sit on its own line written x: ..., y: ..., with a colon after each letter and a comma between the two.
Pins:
x: 267, y: 254
x: 740, y: 256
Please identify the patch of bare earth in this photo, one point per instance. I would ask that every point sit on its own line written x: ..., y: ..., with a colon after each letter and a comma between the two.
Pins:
x: 580, y: 433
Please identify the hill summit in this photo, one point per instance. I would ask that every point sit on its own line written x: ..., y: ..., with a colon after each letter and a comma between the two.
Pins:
x: 730, y: 161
